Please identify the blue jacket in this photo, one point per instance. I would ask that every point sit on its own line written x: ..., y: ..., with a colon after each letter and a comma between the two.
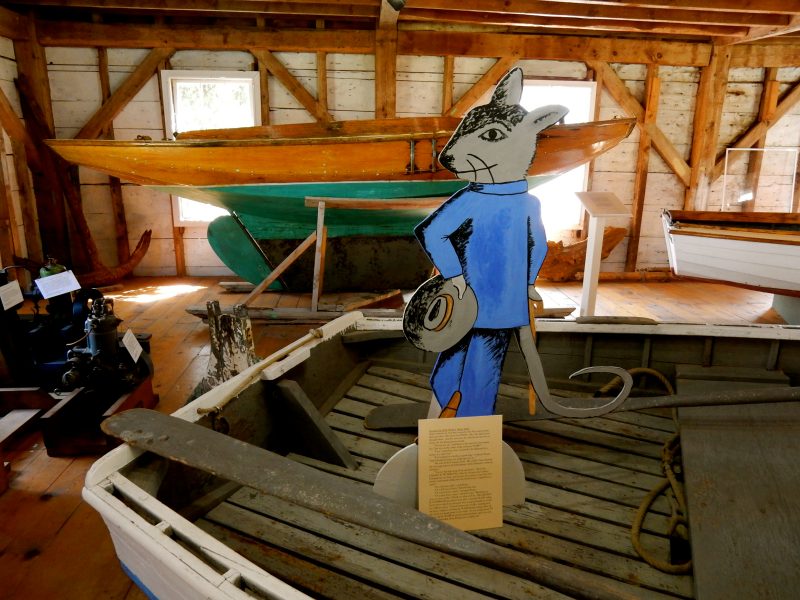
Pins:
x: 494, y: 236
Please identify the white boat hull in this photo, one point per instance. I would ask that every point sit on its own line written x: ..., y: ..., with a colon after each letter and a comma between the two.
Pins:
x: 768, y: 261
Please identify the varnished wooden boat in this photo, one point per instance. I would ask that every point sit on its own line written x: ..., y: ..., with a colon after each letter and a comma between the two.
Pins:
x: 296, y: 154
x: 755, y: 250
x: 188, y: 532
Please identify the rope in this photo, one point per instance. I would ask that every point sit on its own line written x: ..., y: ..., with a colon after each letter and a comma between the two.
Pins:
x: 639, y: 371
x: 669, y: 486
x: 670, y: 459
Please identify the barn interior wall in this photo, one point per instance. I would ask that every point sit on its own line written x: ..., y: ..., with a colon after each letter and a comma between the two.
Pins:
x: 75, y: 89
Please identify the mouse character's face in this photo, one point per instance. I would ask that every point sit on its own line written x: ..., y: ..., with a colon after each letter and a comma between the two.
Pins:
x: 496, y: 142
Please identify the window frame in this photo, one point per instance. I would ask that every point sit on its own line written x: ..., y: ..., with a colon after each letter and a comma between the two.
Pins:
x: 167, y: 78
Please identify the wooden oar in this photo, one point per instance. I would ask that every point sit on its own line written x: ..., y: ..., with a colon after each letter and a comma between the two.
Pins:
x: 249, y: 465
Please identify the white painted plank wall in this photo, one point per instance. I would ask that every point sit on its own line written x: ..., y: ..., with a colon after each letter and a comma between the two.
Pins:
x: 351, y: 91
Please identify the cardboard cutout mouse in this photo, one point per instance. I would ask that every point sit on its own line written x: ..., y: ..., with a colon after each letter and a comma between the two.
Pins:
x: 488, y: 243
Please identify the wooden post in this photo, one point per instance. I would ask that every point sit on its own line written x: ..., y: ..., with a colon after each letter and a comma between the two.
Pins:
x: 707, y: 117
x: 319, y: 257
x: 322, y: 73
x: 447, y: 83
x: 652, y: 91
x: 32, y: 69
x: 27, y: 204
x: 766, y: 111
x: 114, y: 184
x: 386, y: 63
x: 9, y: 241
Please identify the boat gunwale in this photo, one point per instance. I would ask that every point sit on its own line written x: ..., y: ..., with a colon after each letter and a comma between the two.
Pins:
x: 770, y: 238
x: 555, y: 131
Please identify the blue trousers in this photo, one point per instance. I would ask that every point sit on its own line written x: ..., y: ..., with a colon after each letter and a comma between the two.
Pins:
x: 473, y: 367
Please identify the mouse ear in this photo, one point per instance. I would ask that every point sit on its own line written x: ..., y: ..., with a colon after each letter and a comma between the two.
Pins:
x: 509, y: 89
x: 545, y: 116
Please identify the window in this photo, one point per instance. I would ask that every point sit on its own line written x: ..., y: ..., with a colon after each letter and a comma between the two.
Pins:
x: 561, y: 209
x: 207, y: 100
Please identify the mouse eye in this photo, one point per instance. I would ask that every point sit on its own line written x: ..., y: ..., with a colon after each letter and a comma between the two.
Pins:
x: 492, y: 135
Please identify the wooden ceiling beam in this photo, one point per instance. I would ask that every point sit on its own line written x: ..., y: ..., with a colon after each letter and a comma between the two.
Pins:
x: 558, y: 22
x: 290, y: 82
x: 368, y: 8
x: 707, y: 120
x: 208, y: 38
x: 553, y: 47
x: 607, y: 11
x: 756, y: 54
x: 12, y: 24
x: 124, y: 93
x: 747, y: 6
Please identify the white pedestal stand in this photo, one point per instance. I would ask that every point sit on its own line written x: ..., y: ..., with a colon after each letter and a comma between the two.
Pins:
x: 600, y: 206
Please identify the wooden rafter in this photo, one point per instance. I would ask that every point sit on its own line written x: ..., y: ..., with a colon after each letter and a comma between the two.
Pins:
x: 487, y: 80
x: 619, y: 91
x: 549, y: 22
x: 124, y: 93
x: 617, y: 11
x: 767, y: 31
x: 290, y: 82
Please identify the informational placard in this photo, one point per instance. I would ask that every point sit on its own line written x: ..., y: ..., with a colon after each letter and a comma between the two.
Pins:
x: 132, y: 345
x: 55, y: 285
x: 10, y: 294
x: 461, y: 471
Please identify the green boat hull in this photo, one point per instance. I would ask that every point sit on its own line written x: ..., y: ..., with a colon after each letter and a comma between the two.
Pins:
x: 379, y: 252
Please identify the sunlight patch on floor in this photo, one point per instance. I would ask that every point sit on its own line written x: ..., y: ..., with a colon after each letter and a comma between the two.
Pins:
x: 154, y: 293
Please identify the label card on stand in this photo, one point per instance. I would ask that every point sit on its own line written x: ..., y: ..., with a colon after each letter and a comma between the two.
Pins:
x: 461, y: 471
x: 55, y: 285
x: 132, y: 345
x: 10, y: 294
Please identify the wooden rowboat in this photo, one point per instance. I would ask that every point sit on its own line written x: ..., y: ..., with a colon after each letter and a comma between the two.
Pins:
x: 755, y: 250
x: 201, y: 513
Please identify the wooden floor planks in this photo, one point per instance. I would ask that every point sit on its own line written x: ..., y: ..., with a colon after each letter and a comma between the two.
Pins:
x: 73, y: 552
